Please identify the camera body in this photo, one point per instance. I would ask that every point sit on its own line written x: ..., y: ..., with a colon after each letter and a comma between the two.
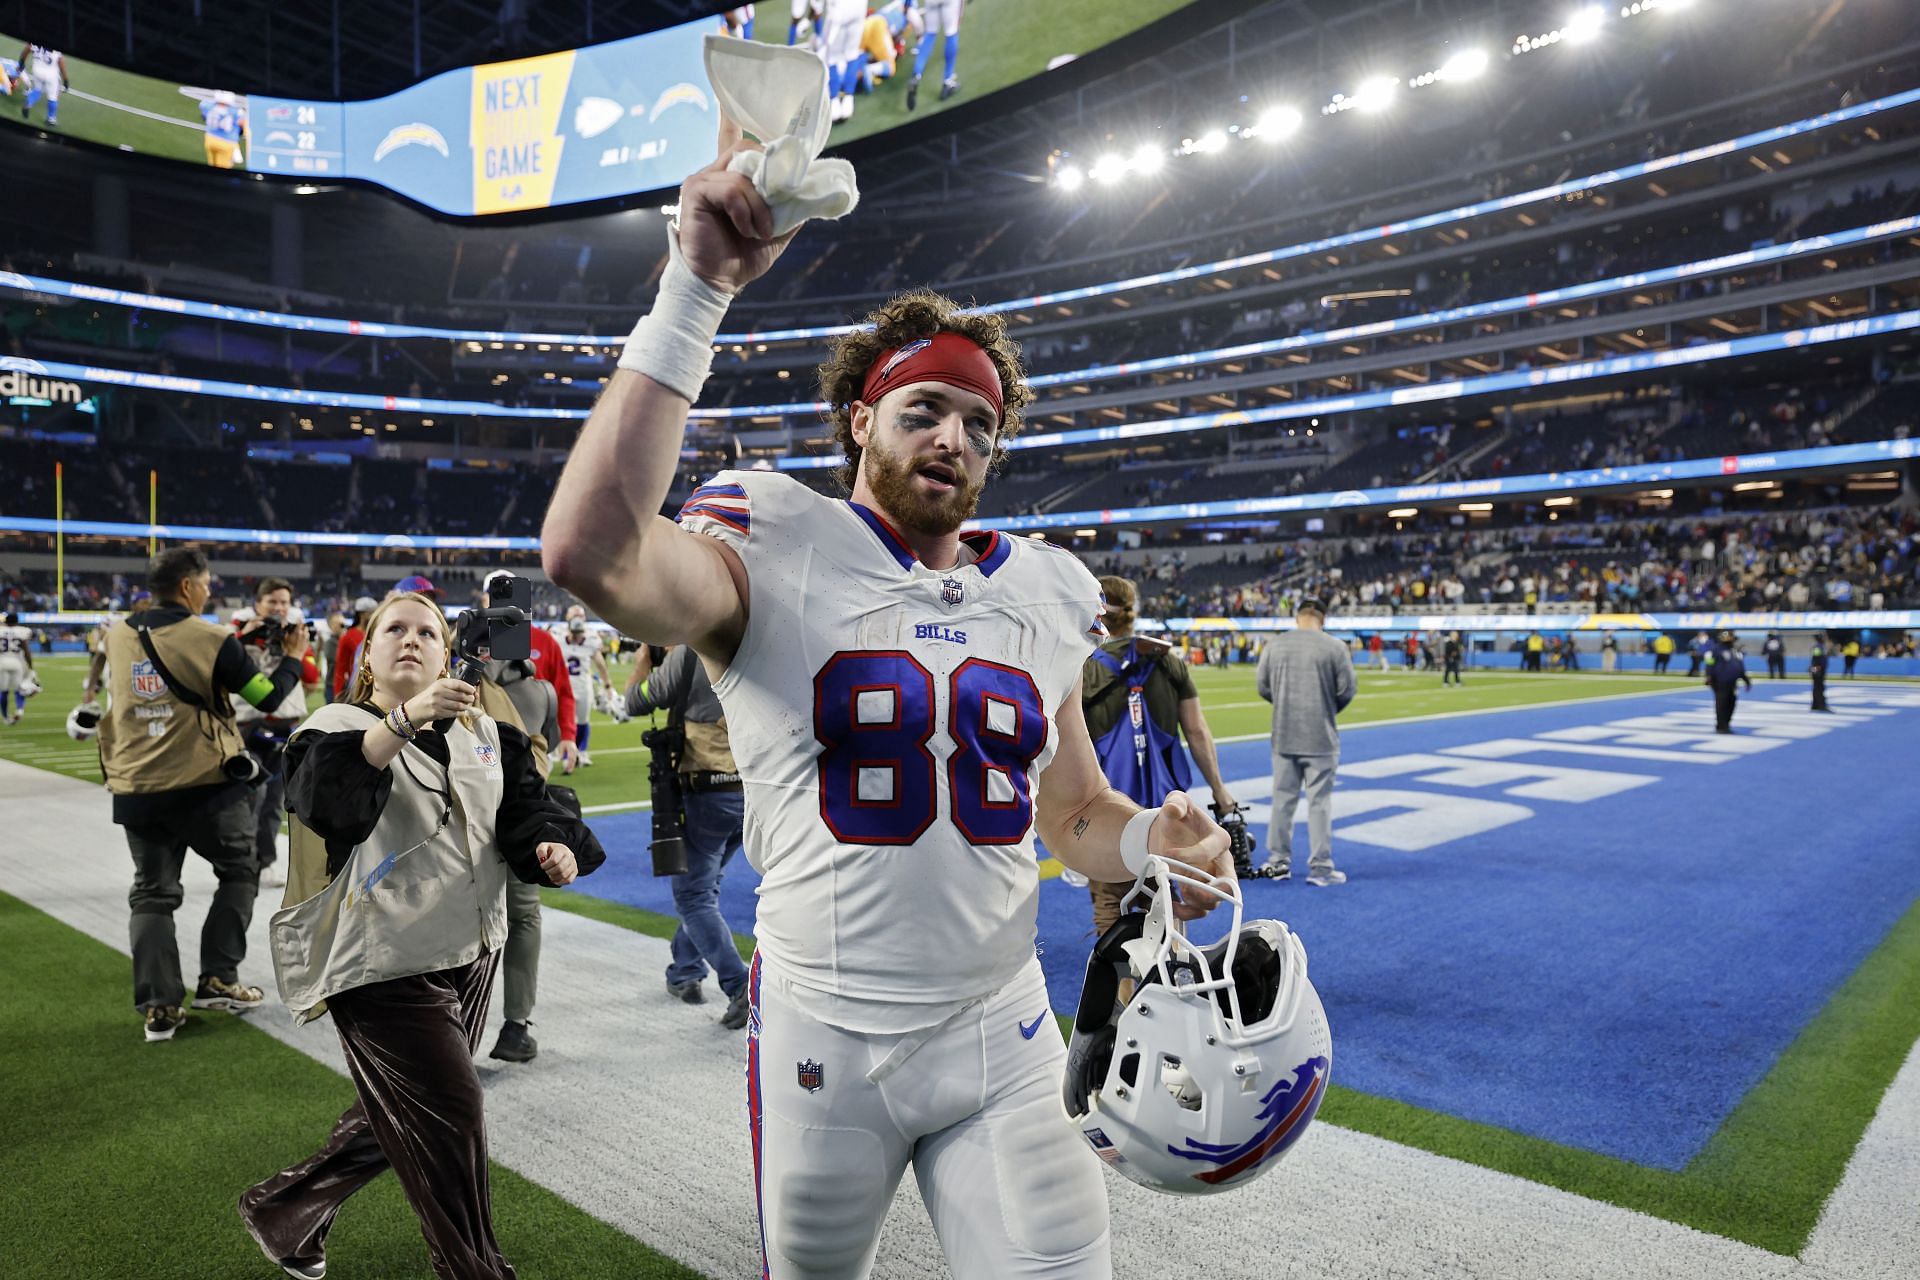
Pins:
x: 268, y: 631
x: 668, y: 843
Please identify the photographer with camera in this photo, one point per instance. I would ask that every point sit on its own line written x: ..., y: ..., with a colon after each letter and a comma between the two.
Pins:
x: 1138, y: 698
x: 699, y: 812
x: 413, y: 812
x: 266, y: 728
x: 523, y: 683
x: 179, y: 770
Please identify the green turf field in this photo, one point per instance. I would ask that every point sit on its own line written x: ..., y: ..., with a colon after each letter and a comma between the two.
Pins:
x: 116, y: 109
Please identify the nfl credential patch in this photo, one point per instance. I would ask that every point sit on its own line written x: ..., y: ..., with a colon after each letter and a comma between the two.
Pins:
x: 812, y: 1075
x: 147, y: 680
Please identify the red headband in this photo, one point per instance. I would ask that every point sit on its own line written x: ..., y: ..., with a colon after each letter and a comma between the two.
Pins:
x: 946, y: 357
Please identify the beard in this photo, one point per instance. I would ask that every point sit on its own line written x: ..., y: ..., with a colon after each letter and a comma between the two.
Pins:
x: 935, y: 515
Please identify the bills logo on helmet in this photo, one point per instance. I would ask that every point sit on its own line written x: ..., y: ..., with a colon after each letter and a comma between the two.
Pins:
x: 147, y: 681
x: 1285, y: 1111
x: 904, y: 353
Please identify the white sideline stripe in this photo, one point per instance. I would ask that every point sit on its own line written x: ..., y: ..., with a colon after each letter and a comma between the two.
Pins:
x: 633, y: 1112
x: 622, y: 806
x: 1869, y: 1227
x: 198, y: 126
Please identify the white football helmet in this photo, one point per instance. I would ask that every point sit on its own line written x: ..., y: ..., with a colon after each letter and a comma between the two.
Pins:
x: 612, y: 704
x: 83, y: 722
x: 1216, y: 1066
x: 30, y: 685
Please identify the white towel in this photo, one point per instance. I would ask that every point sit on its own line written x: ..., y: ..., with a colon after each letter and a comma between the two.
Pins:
x: 779, y: 95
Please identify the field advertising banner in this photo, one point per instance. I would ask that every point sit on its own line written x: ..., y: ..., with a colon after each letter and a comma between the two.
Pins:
x: 603, y: 121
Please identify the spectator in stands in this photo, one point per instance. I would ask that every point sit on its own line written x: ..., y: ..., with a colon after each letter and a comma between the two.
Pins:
x: 1308, y: 677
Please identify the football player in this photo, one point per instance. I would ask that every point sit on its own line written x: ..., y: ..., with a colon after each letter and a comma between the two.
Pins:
x: 45, y: 71
x: 904, y: 708
x: 16, y: 664
x: 840, y: 46
x: 226, y: 128
x: 586, y: 662
x: 942, y: 16
x: 738, y: 21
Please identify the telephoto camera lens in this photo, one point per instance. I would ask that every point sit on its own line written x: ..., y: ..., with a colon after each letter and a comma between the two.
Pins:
x: 663, y: 785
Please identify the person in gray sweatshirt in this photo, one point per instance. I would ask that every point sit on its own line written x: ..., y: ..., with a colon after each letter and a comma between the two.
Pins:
x: 1308, y: 677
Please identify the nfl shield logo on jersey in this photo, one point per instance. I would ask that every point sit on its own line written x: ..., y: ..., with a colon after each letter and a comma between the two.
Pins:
x: 953, y: 592
x: 147, y: 682
x: 812, y: 1075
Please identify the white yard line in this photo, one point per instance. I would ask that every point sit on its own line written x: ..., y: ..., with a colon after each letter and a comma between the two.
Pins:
x: 1486, y: 711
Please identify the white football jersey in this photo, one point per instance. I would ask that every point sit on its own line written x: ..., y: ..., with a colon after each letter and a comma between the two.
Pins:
x: 891, y: 723
x: 14, y: 644
x: 44, y: 61
x: 579, y: 657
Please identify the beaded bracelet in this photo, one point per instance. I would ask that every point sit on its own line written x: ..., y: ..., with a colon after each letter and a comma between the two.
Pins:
x: 393, y: 723
x: 413, y: 730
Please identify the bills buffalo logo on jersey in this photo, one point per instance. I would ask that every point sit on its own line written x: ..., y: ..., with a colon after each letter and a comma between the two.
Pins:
x: 813, y: 1076
x: 147, y: 680
x: 1284, y: 1113
x: 953, y: 593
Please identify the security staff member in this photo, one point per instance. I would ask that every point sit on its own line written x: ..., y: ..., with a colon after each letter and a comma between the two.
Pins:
x: 1609, y: 652
x: 266, y: 728
x: 1452, y: 649
x: 1817, y: 669
x: 1776, y: 651
x: 1662, y: 653
x: 176, y: 765
x: 715, y: 811
x: 1725, y: 668
x: 1138, y: 698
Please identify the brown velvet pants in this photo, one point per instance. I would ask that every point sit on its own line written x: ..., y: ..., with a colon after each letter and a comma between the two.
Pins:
x: 409, y: 1045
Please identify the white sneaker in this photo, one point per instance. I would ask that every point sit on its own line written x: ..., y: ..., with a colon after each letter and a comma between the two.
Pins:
x: 585, y: 759
x: 1321, y: 879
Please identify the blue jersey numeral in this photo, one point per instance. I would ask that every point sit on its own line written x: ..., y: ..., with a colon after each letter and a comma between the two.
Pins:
x: 873, y: 715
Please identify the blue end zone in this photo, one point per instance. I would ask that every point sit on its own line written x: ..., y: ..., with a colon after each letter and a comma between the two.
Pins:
x: 1536, y: 938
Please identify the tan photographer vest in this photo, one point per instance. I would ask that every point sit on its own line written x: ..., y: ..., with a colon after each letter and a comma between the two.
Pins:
x: 415, y: 896
x: 150, y: 740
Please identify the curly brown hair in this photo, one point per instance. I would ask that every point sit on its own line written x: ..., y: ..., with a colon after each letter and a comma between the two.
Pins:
x: 920, y: 313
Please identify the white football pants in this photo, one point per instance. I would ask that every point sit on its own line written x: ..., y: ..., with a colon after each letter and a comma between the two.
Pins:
x: 974, y: 1105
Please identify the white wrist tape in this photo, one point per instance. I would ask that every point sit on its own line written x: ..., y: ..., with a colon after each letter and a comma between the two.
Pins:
x: 1133, y: 841
x: 673, y: 343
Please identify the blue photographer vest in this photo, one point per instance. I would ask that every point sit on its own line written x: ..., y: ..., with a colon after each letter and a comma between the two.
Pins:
x: 1142, y: 761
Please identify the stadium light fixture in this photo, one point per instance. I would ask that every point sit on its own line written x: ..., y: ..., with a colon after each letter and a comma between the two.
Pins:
x: 1585, y: 24
x: 1211, y: 141
x: 1108, y: 169
x: 1278, y: 123
x: 1403, y: 513
x: 1069, y: 178
x: 1148, y: 158
x: 1468, y: 64
x: 1375, y: 93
